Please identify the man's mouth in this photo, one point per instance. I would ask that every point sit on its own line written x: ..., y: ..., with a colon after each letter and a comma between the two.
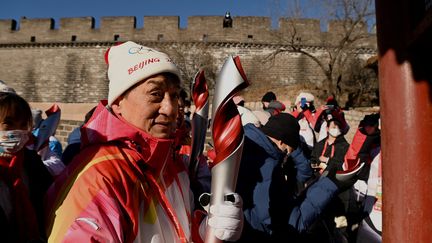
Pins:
x: 163, y: 123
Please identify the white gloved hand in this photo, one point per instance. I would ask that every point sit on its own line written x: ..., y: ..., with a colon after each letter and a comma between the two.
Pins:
x: 226, y: 219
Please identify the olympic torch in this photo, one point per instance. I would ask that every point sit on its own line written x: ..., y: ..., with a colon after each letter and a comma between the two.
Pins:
x: 227, y: 134
x: 200, y: 96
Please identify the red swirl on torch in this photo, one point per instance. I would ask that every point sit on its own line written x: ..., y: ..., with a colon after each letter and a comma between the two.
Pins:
x: 227, y: 129
x: 227, y: 134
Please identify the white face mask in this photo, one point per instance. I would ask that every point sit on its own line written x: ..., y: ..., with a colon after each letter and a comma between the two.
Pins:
x: 13, y: 141
x: 334, y: 132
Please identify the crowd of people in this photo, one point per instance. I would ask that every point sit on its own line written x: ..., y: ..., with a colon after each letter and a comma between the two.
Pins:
x: 124, y: 175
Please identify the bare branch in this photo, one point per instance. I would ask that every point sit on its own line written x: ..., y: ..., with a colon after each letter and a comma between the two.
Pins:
x: 339, y: 44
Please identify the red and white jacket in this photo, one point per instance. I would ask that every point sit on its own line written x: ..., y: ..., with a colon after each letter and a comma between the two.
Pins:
x: 124, y: 186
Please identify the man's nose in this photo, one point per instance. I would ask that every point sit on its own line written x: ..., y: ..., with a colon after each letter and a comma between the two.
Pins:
x: 169, y: 106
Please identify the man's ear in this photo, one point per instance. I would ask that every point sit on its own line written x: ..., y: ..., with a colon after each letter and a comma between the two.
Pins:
x: 116, y: 106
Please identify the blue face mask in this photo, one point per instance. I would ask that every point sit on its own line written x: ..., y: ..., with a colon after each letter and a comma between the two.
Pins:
x: 13, y: 141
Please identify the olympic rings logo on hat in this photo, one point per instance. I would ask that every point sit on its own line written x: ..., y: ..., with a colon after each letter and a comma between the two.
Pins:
x: 139, y: 50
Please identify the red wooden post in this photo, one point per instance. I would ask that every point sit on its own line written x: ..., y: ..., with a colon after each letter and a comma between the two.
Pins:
x: 405, y: 71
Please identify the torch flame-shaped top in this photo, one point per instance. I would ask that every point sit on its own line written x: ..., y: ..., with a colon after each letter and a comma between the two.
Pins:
x: 227, y: 129
x: 200, y: 90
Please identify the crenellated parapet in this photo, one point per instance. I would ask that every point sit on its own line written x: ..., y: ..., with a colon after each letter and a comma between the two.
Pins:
x: 256, y: 30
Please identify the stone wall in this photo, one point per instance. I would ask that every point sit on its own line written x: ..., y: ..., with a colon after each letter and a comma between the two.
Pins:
x: 76, y: 73
x: 64, y: 129
x: 55, y: 73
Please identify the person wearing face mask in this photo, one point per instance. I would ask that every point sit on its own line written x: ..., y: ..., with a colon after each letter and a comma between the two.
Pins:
x: 271, y: 168
x: 128, y: 184
x: 328, y: 154
x: 23, y: 177
x: 331, y: 110
x: 331, y: 150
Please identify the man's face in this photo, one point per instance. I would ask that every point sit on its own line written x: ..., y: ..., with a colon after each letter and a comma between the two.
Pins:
x: 152, y: 105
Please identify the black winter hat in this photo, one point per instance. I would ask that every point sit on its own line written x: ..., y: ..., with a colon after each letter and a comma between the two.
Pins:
x: 269, y: 96
x: 283, y: 127
x: 370, y: 120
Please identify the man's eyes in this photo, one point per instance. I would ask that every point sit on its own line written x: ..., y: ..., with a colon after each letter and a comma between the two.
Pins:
x: 156, y: 93
x: 159, y: 95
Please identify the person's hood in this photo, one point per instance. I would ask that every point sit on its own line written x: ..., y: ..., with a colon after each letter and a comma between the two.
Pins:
x: 256, y: 135
x: 105, y: 127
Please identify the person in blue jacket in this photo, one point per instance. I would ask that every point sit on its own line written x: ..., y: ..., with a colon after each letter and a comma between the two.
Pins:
x: 273, y: 176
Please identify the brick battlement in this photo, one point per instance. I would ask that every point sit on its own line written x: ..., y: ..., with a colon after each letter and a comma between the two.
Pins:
x: 256, y: 30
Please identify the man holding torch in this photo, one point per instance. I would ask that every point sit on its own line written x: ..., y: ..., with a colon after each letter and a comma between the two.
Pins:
x: 127, y: 184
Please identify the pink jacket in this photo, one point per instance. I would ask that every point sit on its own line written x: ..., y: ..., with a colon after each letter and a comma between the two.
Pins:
x: 124, y: 186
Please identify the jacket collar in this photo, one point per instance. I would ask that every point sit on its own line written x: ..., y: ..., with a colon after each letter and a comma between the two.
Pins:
x: 104, y: 127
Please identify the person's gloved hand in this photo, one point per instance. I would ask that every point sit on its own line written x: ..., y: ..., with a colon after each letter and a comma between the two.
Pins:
x: 227, y: 219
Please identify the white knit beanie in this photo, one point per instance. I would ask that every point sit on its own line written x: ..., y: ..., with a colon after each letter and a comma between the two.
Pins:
x: 130, y: 63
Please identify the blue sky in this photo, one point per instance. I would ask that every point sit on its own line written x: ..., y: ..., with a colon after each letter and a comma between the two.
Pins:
x: 15, y: 9
x: 56, y: 9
